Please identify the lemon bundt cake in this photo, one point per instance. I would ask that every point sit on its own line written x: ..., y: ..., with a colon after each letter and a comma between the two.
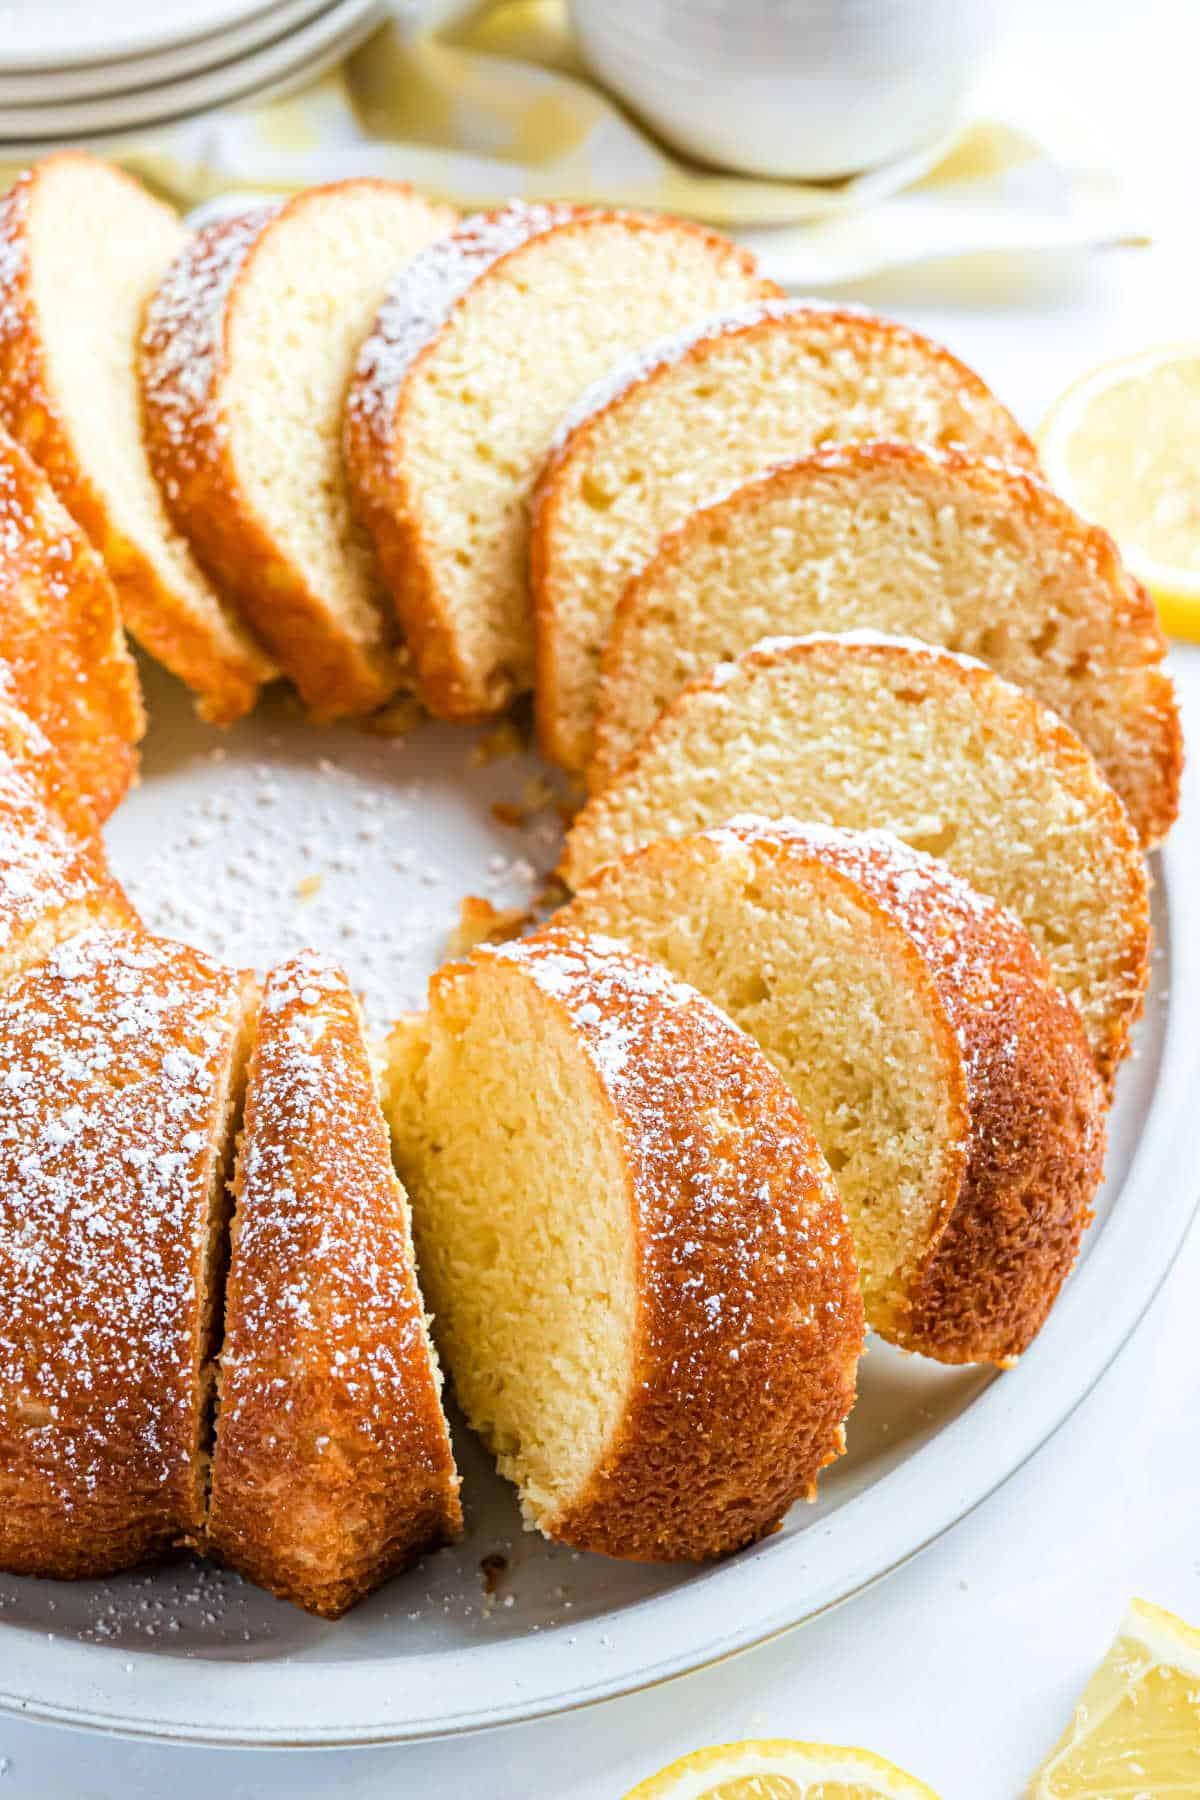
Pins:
x: 332, y: 1466
x: 54, y: 877
x: 63, y: 657
x: 955, y: 550
x: 483, y: 342
x: 121, y: 1063
x: 946, y: 1077
x: 864, y: 731
x: 669, y: 430
x: 638, y: 1264
x: 248, y: 347
x: 82, y: 247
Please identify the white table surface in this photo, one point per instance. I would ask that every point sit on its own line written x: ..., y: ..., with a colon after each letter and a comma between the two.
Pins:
x: 964, y: 1665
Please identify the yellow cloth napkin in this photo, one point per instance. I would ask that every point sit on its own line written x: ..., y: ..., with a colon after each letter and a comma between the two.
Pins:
x: 483, y: 101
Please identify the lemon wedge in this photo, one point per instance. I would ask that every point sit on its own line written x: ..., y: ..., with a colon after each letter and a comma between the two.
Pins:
x: 1136, y: 1730
x: 1123, y: 446
x: 779, y: 1769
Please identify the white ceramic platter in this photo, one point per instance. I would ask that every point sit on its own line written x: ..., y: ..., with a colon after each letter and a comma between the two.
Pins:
x: 275, y: 835
x: 302, y: 52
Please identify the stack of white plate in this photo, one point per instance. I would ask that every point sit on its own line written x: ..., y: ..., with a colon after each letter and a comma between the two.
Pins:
x: 78, y: 69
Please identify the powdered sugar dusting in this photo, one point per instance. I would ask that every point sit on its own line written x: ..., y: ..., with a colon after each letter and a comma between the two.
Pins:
x: 117, y: 1051
x: 44, y: 867
x: 325, y: 1351
x: 182, y: 337
x: 865, y: 637
x: 427, y: 291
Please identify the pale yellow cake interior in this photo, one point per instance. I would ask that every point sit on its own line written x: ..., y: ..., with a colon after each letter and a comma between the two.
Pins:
x: 841, y: 736
x: 312, y: 290
x: 838, y: 1002
x: 750, y: 399
x: 481, y: 411
x: 913, y: 549
x: 99, y: 246
x: 521, y: 1217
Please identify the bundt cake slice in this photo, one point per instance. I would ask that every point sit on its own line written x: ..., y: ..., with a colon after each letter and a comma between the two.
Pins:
x: 248, y: 347
x: 863, y: 731
x: 955, y: 550
x: 483, y: 342
x: 699, y: 414
x: 121, y: 1062
x: 945, y: 1075
x: 82, y: 247
x: 54, y: 876
x: 63, y: 657
x: 638, y: 1265
x: 332, y: 1465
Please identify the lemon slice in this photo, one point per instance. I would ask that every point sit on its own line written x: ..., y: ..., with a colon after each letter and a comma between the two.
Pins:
x: 1136, y: 1730
x: 1123, y: 446
x: 779, y: 1769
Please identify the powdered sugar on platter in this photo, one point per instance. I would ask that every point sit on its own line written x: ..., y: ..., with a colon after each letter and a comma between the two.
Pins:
x: 270, y: 838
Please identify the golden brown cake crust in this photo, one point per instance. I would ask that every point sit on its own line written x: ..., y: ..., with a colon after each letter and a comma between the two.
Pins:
x: 594, y: 837
x: 333, y: 1466
x: 749, y: 1321
x: 186, y: 366
x: 1147, y: 773
x: 224, y: 670
x: 119, y: 1056
x: 1029, y: 1105
x: 63, y: 658
x: 831, y: 329
x: 386, y: 499
x: 54, y: 876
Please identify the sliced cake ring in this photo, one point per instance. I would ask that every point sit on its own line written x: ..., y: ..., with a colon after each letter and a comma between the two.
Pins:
x: 82, y: 247
x: 639, y: 1267
x: 332, y: 1465
x: 248, y: 347
x: 957, y: 550
x: 861, y: 731
x: 947, y: 1078
x: 484, y: 341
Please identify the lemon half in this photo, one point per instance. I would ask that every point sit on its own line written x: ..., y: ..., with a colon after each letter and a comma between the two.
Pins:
x: 1136, y: 1730
x: 779, y: 1769
x: 1122, y: 445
